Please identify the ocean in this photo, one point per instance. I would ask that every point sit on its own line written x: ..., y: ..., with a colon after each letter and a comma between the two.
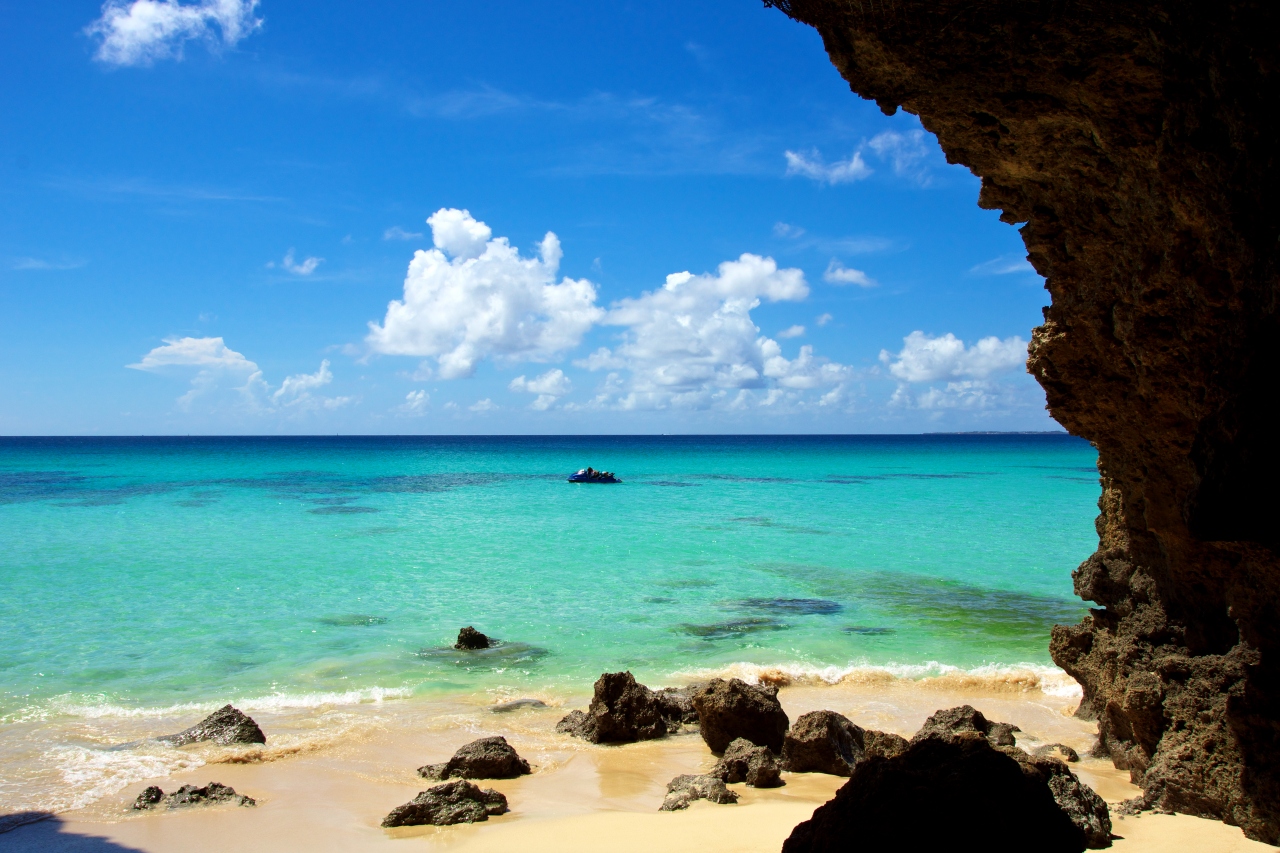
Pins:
x: 144, y: 579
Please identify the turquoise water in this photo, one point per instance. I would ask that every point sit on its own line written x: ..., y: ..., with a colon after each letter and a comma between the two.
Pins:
x: 145, y: 573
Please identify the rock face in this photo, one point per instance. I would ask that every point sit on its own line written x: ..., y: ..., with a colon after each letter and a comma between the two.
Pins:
x: 486, y: 758
x: 190, y: 795
x: 945, y: 794
x: 224, y: 726
x: 453, y: 802
x: 683, y: 790
x: 728, y: 710
x: 743, y: 761
x: 1133, y: 141
x: 965, y: 718
x: 469, y: 639
x: 677, y: 703
x: 827, y: 742
x: 624, y: 711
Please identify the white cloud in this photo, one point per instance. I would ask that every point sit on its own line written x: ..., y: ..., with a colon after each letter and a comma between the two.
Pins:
x: 306, y: 267
x: 838, y: 273
x: 297, y: 389
x: 1002, y: 266
x: 792, y: 332
x: 782, y: 229
x: 904, y: 151
x: 552, y: 382
x: 415, y: 402
x: 474, y: 297
x: 485, y: 405
x: 929, y: 359
x: 206, y: 353
x: 968, y: 394
x: 395, y: 232
x: 142, y: 31
x: 810, y: 165
x: 823, y: 319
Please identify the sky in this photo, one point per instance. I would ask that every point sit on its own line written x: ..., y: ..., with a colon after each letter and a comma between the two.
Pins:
x: 277, y: 216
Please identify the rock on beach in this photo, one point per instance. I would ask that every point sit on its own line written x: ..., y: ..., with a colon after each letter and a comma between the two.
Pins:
x: 728, y: 710
x: 624, y: 711
x: 224, y: 726
x: 486, y: 758
x: 453, y: 802
x: 684, y: 789
x: 743, y: 761
x: 191, y: 795
x: 827, y: 742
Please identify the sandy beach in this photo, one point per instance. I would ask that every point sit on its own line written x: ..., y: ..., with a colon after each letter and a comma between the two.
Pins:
x: 329, y: 790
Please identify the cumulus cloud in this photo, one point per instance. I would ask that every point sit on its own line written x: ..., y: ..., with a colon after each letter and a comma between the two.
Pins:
x: 475, y: 297
x: 485, y: 405
x: 395, y: 232
x: 810, y: 165
x: 930, y: 359
x: 792, y: 332
x: 206, y: 353
x: 838, y: 273
x: 415, y: 402
x: 142, y: 31
x: 297, y: 388
x: 549, y: 387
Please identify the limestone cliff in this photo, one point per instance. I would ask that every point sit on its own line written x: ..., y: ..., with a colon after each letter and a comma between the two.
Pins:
x: 1134, y: 141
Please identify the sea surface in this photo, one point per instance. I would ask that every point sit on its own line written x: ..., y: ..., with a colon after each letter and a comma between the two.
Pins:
x: 148, y: 576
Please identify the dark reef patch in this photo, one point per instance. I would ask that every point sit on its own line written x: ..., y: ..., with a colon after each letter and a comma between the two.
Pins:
x: 790, y: 606
x: 500, y: 655
x: 732, y: 628
x: 343, y: 510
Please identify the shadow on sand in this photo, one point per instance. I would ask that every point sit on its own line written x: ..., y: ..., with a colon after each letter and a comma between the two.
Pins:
x: 46, y: 832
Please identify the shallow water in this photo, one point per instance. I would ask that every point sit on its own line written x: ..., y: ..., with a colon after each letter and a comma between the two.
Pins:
x: 151, y: 578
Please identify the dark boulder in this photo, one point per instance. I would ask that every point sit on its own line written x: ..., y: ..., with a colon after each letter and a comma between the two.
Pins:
x: 728, y: 710
x: 966, y: 718
x: 827, y: 742
x: 1064, y: 751
x: 191, y: 795
x: 959, y: 793
x: 486, y: 758
x: 469, y: 639
x: 743, y: 761
x: 621, y: 711
x: 683, y: 790
x: 1077, y: 800
x: 224, y: 726
x: 453, y: 802
x: 573, y: 723
x: 677, y: 703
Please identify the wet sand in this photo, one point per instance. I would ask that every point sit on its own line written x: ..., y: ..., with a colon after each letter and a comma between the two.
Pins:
x: 330, y: 792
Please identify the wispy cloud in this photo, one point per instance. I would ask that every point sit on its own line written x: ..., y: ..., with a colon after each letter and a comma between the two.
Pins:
x: 905, y: 154
x: 838, y: 273
x: 44, y: 264
x: 142, y: 31
x: 292, y: 265
x: 792, y: 332
x: 395, y: 232
x: 1002, y: 265
x: 810, y: 165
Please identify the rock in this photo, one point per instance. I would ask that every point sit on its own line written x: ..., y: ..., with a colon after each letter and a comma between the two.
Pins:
x: 453, y: 802
x: 486, y: 758
x: 827, y: 742
x: 941, y: 794
x: 1152, y: 220
x: 728, y: 710
x: 966, y: 718
x: 224, y: 726
x: 190, y: 795
x: 743, y: 761
x: 517, y: 704
x: 677, y: 703
x: 1063, y: 751
x: 621, y: 711
x: 470, y: 639
x: 1086, y: 809
x: 683, y: 790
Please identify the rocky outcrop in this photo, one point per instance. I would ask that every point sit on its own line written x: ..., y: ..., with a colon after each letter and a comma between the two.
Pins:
x: 224, y: 726
x: 486, y: 758
x: 677, y: 703
x: 1132, y: 143
x: 191, y: 795
x: 965, y: 718
x: 959, y: 793
x: 469, y: 639
x: 1063, y: 752
x: 453, y: 802
x: 743, y: 761
x: 623, y: 711
x: 1077, y: 800
x: 728, y: 710
x: 827, y: 742
x: 683, y: 790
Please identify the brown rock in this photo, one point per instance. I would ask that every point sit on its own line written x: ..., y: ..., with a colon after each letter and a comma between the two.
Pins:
x: 827, y: 742
x: 191, y: 795
x: 683, y: 790
x: 621, y: 711
x: 453, y: 802
x: 966, y: 718
x: 469, y: 639
x: 743, y: 761
x: 728, y: 710
x: 486, y: 758
x: 224, y: 726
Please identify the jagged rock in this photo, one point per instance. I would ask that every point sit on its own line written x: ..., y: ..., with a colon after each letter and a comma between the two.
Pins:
x: 827, y: 742
x: 1081, y: 803
x: 224, y: 726
x: 743, y: 761
x: 453, y: 802
x: 941, y: 794
x: 966, y: 718
x: 469, y: 639
x: 486, y: 758
x: 516, y: 705
x: 1065, y: 752
x: 677, y: 703
x: 191, y: 795
x: 1131, y: 142
x: 621, y: 711
x: 728, y: 710
x: 683, y: 790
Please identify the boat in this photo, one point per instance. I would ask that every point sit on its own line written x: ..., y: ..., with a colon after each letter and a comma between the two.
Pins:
x: 591, y: 475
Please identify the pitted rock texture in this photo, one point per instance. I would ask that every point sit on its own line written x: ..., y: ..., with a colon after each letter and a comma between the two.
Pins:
x: 191, y: 795
x: 1134, y: 142
x: 624, y: 711
x: 728, y: 710
x: 224, y: 726
x: 486, y: 758
x: 469, y: 639
x: 827, y: 742
x: 743, y: 761
x: 683, y: 790
x: 966, y: 718
x: 453, y: 802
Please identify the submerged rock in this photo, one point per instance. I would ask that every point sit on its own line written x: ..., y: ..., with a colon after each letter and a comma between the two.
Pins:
x: 516, y: 704
x: 224, y: 726
x: 728, y: 710
x: 623, y: 711
x: 965, y: 718
x: 453, y: 802
x: 470, y: 639
x: 683, y: 790
x: 827, y: 742
x: 498, y: 655
x: 486, y: 758
x: 191, y: 795
x: 743, y: 761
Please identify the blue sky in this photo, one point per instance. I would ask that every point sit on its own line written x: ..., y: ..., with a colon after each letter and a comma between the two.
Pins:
x: 211, y: 212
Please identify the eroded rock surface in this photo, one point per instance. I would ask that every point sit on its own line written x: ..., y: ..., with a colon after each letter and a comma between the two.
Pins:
x: 683, y: 790
x: 469, y: 639
x: 827, y: 742
x: 191, y: 795
x: 743, y: 761
x: 224, y: 726
x: 728, y: 710
x: 966, y: 718
x: 623, y: 711
x: 453, y: 802
x: 1133, y: 140
x: 486, y: 758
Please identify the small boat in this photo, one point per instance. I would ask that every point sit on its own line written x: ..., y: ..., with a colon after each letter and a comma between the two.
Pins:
x: 591, y: 475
